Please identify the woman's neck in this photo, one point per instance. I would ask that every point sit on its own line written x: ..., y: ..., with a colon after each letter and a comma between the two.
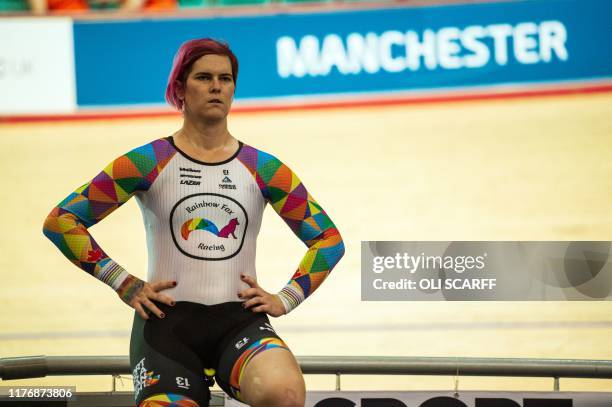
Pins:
x: 205, y: 136
x: 207, y: 143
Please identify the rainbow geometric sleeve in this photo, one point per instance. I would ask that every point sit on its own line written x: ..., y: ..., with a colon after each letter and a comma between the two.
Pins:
x: 66, y: 225
x: 290, y: 199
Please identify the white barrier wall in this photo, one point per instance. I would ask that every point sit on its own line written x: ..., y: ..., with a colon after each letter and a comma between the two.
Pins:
x: 450, y: 399
x: 37, y: 66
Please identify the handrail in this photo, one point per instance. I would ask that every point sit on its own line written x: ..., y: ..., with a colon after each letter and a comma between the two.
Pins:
x: 41, y: 366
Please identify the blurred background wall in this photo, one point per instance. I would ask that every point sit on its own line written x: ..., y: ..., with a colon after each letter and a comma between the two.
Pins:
x: 406, y: 120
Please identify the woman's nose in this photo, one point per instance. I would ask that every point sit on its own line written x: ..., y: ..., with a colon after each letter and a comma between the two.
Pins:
x: 215, y: 84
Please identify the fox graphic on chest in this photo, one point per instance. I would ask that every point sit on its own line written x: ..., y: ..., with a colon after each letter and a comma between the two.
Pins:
x: 207, y: 225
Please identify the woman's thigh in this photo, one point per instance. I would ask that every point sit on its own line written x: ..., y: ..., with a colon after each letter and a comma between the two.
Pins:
x: 164, y: 369
x: 255, y: 364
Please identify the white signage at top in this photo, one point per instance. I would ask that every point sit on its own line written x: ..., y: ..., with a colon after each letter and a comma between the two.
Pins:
x: 447, y: 48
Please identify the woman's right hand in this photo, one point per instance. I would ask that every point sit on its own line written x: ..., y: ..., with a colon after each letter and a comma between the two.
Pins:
x: 142, y: 298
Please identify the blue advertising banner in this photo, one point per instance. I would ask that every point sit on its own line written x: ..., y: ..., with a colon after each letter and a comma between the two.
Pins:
x: 355, y: 52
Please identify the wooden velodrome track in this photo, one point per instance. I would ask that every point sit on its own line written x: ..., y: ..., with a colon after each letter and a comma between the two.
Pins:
x: 521, y: 169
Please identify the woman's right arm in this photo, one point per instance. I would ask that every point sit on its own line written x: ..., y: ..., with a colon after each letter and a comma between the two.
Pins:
x: 67, y: 225
x: 68, y: 231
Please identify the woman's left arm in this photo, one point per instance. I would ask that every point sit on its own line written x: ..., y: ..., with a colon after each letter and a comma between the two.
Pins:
x: 310, y: 223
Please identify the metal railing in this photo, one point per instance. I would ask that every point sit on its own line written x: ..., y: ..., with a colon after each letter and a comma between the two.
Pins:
x: 41, y: 366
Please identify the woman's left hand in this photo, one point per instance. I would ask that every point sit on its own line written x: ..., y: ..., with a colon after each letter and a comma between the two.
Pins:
x: 259, y: 300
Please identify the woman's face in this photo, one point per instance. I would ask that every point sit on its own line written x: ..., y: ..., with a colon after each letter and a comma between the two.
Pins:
x: 209, y: 88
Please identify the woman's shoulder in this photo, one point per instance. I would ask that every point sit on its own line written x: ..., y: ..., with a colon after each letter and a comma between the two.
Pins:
x: 142, y: 160
x: 254, y: 157
x: 158, y: 150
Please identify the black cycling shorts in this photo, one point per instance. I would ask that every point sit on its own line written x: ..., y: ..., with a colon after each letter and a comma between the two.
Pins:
x: 169, y: 355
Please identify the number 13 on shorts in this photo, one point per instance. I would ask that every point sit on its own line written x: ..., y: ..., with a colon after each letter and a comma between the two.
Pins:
x: 182, y: 382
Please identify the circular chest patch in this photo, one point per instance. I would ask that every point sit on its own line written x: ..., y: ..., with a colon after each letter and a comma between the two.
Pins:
x: 208, y: 226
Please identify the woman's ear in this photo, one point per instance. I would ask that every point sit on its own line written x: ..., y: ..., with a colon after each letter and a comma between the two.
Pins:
x: 180, y: 90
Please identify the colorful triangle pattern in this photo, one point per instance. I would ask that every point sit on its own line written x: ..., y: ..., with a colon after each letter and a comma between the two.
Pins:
x: 66, y: 226
x: 291, y: 200
x: 169, y: 400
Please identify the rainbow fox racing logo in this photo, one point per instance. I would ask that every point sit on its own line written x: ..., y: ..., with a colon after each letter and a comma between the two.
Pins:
x: 221, y: 222
x: 207, y: 225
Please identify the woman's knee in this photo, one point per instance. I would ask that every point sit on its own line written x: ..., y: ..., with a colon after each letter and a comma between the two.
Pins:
x: 278, y: 395
x: 274, y: 388
x: 273, y: 379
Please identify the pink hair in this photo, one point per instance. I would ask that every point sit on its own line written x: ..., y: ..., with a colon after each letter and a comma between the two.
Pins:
x: 188, y: 53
